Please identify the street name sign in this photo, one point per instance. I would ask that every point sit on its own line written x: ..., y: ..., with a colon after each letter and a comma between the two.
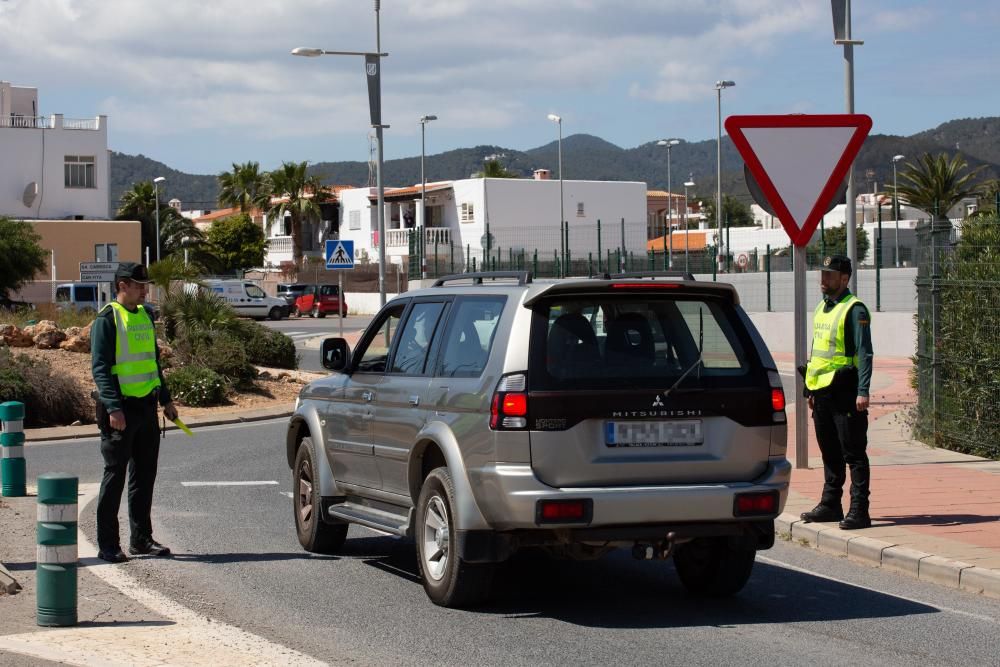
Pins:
x: 98, y: 272
x: 339, y: 254
x: 799, y: 161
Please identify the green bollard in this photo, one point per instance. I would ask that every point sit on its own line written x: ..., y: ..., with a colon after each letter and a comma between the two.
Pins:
x: 57, y: 553
x: 13, y: 471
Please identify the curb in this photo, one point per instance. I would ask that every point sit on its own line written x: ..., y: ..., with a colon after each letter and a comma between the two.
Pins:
x: 853, y: 545
x: 8, y: 584
x: 91, y: 431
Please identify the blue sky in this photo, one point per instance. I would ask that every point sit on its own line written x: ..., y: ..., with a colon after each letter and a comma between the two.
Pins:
x: 199, y: 85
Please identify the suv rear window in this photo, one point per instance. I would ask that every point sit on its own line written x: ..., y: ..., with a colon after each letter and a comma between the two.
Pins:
x: 470, y: 335
x: 635, y: 341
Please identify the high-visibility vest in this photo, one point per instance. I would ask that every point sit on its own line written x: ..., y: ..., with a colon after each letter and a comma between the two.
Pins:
x: 829, y: 352
x: 135, y: 351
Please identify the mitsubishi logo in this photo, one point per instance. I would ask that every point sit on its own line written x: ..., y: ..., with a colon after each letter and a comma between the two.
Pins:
x: 657, y: 402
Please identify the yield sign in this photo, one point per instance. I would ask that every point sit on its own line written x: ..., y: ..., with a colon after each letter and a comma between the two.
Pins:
x: 799, y: 161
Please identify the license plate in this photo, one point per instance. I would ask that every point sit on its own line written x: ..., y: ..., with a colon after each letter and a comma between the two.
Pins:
x: 676, y: 433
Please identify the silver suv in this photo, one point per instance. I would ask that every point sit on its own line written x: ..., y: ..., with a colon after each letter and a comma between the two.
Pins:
x: 491, y: 412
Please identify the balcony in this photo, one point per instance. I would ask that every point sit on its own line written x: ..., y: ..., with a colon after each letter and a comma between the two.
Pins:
x: 54, y: 122
x: 400, y: 238
x: 29, y: 122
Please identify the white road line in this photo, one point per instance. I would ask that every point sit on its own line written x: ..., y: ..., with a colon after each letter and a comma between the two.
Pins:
x: 240, y: 483
x: 287, y: 494
x: 813, y: 573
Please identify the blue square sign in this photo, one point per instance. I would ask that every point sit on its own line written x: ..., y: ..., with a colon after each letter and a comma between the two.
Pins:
x: 339, y: 254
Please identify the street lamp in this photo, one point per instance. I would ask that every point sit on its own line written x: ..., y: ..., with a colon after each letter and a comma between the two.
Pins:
x: 895, y: 203
x: 373, y: 64
x: 423, y: 197
x: 156, y: 194
x: 562, y: 240
x: 719, y: 85
x: 669, y: 143
x: 687, y: 232
x: 842, y: 36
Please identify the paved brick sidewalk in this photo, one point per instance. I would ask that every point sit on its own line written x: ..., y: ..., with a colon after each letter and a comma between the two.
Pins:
x: 935, y: 513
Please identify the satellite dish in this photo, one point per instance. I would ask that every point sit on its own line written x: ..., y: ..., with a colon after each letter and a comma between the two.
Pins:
x: 30, y: 193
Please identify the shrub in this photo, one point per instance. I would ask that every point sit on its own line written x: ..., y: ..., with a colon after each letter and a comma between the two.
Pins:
x: 219, y: 351
x: 267, y: 347
x: 196, y: 386
x: 49, y: 399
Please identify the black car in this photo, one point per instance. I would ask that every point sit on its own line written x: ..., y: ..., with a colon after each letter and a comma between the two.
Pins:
x: 291, y: 291
x: 7, y: 304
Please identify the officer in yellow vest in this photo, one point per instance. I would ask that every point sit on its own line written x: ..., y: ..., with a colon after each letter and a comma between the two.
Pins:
x: 838, y: 378
x: 125, y: 364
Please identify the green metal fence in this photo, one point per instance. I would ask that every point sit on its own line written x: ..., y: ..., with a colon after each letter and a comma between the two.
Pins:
x: 958, y: 337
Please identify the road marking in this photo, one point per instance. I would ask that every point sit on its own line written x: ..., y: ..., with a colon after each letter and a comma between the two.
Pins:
x: 287, y: 494
x: 242, y: 483
x: 187, y: 638
x: 813, y: 573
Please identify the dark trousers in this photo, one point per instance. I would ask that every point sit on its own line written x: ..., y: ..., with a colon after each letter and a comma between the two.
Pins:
x: 842, y: 433
x: 136, y: 449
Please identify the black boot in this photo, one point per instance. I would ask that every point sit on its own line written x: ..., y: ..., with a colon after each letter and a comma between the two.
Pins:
x: 857, y: 517
x: 822, y: 513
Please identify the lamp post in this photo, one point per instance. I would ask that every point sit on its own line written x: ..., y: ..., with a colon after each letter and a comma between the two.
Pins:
x: 842, y: 36
x: 669, y: 143
x: 562, y: 240
x: 156, y: 194
x: 895, y: 203
x: 373, y: 63
x: 719, y: 86
x: 687, y: 232
x: 423, y: 197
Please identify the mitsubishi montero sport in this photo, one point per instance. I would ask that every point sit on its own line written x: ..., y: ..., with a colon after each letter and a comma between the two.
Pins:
x: 492, y: 412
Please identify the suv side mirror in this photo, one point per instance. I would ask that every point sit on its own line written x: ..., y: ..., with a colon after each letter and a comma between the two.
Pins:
x: 335, y: 354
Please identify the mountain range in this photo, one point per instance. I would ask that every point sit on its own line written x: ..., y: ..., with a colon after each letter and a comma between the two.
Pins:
x: 586, y: 157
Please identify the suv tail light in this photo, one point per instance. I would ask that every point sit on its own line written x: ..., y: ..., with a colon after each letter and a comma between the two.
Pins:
x: 576, y: 510
x: 509, y: 407
x: 777, y: 397
x: 755, y: 504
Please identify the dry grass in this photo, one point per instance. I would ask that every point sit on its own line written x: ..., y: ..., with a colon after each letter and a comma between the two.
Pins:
x: 47, y: 311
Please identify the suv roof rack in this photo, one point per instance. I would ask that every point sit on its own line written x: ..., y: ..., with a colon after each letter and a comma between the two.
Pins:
x: 684, y: 275
x: 522, y: 277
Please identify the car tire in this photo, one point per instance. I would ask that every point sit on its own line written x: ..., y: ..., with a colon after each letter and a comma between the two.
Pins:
x: 274, y: 313
x: 712, y: 567
x: 314, y: 534
x: 317, y: 312
x: 448, y: 580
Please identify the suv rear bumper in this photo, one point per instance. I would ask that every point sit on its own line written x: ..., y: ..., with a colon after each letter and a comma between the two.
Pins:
x: 510, y: 494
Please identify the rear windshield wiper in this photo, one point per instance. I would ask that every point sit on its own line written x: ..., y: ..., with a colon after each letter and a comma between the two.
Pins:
x: 697, y: 362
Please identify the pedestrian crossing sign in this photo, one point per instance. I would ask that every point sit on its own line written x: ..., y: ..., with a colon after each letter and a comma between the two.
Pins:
x: 339, y: 254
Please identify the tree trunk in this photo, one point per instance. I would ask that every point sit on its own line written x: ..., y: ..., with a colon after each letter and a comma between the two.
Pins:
x: 296, y: 241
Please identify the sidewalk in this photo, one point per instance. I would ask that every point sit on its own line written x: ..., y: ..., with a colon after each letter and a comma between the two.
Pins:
x: 935, y: 513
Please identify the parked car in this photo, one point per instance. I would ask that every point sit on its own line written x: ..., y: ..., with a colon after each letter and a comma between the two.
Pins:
x: 246, y: 297
x: 318, y: 300
x: 490, y: 413
x: 6, y: 303
x: 291, y: 291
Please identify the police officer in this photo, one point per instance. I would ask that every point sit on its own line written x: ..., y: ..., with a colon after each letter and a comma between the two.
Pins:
x: 125, y: 363
x: 838, y: 378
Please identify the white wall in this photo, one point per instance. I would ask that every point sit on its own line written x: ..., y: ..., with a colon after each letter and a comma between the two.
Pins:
x: 893, y: 334
x: 37, y: 155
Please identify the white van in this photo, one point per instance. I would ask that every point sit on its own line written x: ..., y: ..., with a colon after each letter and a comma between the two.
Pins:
x: 246, y: 298
x: 81, y: 296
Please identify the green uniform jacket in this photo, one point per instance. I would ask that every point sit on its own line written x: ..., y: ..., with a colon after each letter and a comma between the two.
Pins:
x: 102, y: 351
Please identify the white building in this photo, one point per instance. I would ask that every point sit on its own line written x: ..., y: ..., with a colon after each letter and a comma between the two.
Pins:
x: 522, y: 214
x: 52, y: 167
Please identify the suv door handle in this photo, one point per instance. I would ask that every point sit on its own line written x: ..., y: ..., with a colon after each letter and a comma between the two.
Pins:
x: 414, y: 400
x: 368, y: 395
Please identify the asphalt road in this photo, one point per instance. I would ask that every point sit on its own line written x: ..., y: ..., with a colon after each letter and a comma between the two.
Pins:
x: 305, y: 329
x: 237, y: 559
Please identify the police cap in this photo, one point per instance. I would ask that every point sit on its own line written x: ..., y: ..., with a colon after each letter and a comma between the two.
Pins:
x: 838, y: 263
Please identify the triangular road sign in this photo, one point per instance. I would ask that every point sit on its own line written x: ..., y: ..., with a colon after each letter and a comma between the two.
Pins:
x: 799, y: 161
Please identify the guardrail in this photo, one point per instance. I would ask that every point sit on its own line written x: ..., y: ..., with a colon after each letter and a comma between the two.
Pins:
x: 28, y: 122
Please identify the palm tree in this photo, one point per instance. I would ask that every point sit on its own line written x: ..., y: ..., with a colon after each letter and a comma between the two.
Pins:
x: 300, y: 196
x: 936, y: 183
x: 245, y: 187
x: 177, y: 232
x: 139, y: 203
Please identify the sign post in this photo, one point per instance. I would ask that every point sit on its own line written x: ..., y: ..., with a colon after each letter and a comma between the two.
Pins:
x: 798, y: 163
x: 340, y: 255
x: 100, y: 273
